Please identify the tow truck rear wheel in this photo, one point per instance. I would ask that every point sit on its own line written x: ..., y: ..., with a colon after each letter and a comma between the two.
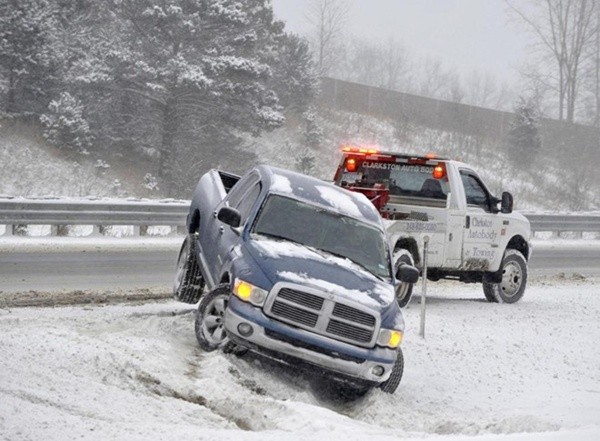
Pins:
x: 188, y: 284
x: 391, y: 384
x: 404, y: 290
x: 514, y: 279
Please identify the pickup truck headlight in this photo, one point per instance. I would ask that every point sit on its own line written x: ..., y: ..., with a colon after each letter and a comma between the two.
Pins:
x: 249, y: 293
x: 390, y: 338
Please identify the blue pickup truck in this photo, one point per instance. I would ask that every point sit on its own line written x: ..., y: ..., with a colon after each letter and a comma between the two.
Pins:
x: 296, y: 268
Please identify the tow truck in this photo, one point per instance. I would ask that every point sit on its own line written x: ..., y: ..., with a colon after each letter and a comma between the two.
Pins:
x: 474, y: 237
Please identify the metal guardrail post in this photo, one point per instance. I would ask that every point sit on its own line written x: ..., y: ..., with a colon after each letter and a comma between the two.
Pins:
x: 424, y: 286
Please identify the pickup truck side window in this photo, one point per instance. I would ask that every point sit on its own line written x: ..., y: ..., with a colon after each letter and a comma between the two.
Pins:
x: 475, y: 191
x: 238, y: 190
x: 247, y: 202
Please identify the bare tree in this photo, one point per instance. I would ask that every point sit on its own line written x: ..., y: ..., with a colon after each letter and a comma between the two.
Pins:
x: 434, y: 78
x: 591, y: 77
x: 563, y: 30
x: 327, y: 18
x: 376, y: 63
x: 481, y: 88
x: 456, y: 91
x: 395, y: 65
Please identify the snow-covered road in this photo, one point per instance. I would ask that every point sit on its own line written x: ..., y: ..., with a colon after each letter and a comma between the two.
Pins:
x: 135, y: 372
x: 97, y: 264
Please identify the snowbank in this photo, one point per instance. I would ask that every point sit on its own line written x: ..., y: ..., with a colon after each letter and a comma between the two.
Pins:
x: 527, y: 371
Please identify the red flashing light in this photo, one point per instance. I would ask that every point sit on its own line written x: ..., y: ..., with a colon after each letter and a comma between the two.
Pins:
x: 438, y: 172
x: 351, y: 165
x: 431, y: 156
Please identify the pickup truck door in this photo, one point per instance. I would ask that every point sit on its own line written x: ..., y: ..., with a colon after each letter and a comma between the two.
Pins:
x: 455, y: 227
x: 482, y: 228
x: 242, y: 197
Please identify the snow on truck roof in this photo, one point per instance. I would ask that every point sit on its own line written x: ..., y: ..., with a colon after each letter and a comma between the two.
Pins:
x: 318, y: 192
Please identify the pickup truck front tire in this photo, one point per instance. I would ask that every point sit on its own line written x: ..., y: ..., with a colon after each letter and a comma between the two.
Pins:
x: 189, y: 284
x: 514, y: 280
x: 391, y: 384
x: 210, y: 319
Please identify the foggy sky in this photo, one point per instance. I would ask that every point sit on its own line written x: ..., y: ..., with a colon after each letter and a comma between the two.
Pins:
x: 464, y: 34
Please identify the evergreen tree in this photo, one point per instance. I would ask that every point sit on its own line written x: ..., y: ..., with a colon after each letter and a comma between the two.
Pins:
x: 183, y: 80
x: 313, y: 137
x: 199, y: 69
x: 65, y: 124
x: 524, y: 141
x: 295, y: 78
x: 26, y: 59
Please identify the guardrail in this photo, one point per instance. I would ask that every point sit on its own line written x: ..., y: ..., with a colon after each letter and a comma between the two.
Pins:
x: 143, y: 213
x: 98, y: 213
x: 562, y: 223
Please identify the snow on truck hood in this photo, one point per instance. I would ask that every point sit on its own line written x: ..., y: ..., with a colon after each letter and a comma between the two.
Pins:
x: 296, y: 263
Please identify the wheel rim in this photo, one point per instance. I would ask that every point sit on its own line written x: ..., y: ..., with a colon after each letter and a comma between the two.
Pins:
x: 402, y: 291
x: 182, y: 264
x: 213, y: 326
x: 512, y: 278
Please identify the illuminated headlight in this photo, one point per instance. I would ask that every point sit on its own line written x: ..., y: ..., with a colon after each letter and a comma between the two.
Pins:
x: 390, y: 338
x: 249, y: 293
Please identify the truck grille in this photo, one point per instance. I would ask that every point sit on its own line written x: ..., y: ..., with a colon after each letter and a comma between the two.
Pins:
x: 315, y: 312
x: 349, y: 331
x: 294, y: 314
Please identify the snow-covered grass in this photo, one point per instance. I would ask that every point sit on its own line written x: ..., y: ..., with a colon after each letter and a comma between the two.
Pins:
x: 31, y: 167
x: 551, y: 184
x: 527, y: 371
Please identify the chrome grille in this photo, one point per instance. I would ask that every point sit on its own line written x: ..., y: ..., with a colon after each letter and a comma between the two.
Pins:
x: 301, y: 298
x: 294, y: 314
x: 347, y: 330
x: 353, y: 314
x: 323, y: 314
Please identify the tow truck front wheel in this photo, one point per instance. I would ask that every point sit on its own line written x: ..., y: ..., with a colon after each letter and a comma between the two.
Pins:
x: 514, y: 279
x: 404, y: 290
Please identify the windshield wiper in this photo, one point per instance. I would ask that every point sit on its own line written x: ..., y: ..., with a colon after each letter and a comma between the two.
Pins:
x: 363, y: 266
x: 284, y: 238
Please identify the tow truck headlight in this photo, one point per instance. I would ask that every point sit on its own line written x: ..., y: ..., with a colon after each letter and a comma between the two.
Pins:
x: 390, y: 338
x: 249, y: 293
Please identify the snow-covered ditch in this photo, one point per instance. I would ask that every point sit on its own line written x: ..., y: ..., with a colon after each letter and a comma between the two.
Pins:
x: 526, y: 371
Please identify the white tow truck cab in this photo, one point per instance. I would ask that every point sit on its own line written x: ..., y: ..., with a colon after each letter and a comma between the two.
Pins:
x: 473, y: 236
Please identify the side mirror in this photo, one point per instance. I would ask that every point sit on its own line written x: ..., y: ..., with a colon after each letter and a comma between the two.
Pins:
x: 507, y: 203
x: 407, y: 273
x: 230, y: 216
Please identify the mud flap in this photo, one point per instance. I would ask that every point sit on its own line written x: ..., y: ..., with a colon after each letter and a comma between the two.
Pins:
x: 495, y: 277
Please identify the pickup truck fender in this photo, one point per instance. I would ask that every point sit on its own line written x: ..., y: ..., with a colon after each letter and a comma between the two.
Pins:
x: 408, y: 243
x: 516, y: 235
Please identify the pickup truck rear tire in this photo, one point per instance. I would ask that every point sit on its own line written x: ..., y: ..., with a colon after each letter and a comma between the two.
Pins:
x: 189, y: 284
x: 514, y: 280
x: 210, y: 319
x: 404, y: 292
x: 391, y: 384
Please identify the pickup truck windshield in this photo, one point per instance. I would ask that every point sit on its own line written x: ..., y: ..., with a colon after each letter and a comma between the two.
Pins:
x: 313, y: 226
